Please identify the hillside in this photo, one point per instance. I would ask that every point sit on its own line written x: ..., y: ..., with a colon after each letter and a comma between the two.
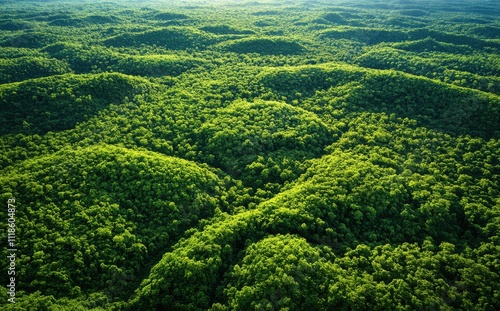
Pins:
x: 265, y: 155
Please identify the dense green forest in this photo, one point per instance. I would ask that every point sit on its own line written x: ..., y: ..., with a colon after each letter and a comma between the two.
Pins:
x: 264, y: 155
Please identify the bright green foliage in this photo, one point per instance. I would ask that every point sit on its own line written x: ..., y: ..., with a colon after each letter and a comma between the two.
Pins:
x: 129, y: 208
x: 155, y: 65
x: 58, y: 103
x: 29, y: 39
x: 265, y: 46
x: 279, y: 273
x: 479, y: 72
x: 168, y: 16
x: 303, y: 81
x: 23, y: 68
x: 226, y: 30
x: 342, y: 201
x: 262, y: 142
x: 238, y: 155
x: 90, y: 20
x: 365, y: 35
x: 83, y: 59
x: 409, y: 277
x: 450, y: 109
x: 173, y: 38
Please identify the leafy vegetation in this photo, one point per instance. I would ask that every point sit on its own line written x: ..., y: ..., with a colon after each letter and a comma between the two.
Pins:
x: 129, y: 206
x: 264, y: 155
x: 263, y: 46
x: 58, y: 103
x: 174, y: 38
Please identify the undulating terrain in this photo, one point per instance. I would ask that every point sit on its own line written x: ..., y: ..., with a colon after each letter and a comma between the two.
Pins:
x: 266, y: 155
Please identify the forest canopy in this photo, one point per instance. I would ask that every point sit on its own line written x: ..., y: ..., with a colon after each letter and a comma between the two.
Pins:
x: 250, y: 155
